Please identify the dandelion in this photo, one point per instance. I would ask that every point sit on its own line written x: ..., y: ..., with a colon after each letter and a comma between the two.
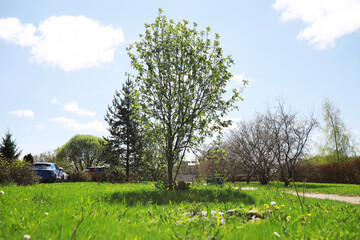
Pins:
x: 46, y: 214
x: 276, y: 234
x: 309, y: 214
x: 282, y: 205
x: 27, y: 236
x: 25, y: 199
x: 266, y: 206
x: 326, y: 211
x: 2, y: 192
x: 288, y: 218
x: 277, y: 207
x: 273, y: 203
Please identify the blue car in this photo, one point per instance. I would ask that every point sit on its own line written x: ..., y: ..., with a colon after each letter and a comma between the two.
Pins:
x: 48, y: 172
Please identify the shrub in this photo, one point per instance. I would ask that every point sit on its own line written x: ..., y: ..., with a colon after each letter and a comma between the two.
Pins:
x: 182, y: 186
x: 115, y: 176
x: 16, y: 171
x: 79, y: 177
x: 162, y: 185
x: 344, y: 172
x: 98, y: 177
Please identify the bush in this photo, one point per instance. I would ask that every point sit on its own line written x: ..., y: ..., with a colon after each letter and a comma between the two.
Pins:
x: 115, y: 176
x: 182, y: 186
x: 79, y: 177
x: 16, y: 171
x: 344, y: 172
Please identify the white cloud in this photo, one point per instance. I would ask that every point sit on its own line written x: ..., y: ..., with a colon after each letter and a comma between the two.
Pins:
x: 69, y: 42
x: 54, y: 100
x: 74, y: 108
x: 12, y: 30
x: 328, y: 20
x: 23, y: 113
x: 73, y: 124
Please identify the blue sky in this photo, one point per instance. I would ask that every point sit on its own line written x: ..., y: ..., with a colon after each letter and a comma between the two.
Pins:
x: 61, y: 61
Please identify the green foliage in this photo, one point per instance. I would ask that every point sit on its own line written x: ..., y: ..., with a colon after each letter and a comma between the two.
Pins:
x: 139, y: 211
x: 124, y: 131
x: 17, y: 171
x: 81, y: 151
x: 161, y: 185
x: 182, y: 186
x: 28, y: 158
x: 338, y: 138
x: 180, y: 86
x: 8, y: 148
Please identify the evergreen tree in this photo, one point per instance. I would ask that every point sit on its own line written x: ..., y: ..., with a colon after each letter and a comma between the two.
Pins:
x: 8, y: 148
x: 28, y: 158
x: 124, y: 130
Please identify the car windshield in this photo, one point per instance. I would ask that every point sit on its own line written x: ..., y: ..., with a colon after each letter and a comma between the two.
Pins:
x: 87, y: 170
x: 42, y: 166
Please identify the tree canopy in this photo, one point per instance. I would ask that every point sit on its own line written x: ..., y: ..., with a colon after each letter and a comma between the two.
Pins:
x: 180, y: 86
x: 81, y: 151
x: 338, y: 138
x: 8, y: 147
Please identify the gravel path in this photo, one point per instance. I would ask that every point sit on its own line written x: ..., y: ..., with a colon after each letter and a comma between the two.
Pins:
x: 349, y: 199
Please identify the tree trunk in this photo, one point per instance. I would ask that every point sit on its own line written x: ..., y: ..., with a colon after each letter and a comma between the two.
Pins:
x: 170, y: 173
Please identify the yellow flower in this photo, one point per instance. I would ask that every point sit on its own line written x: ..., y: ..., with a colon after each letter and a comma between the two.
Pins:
x: 266, y: 206
x: 288, y: 218
x: 326, y: 211
x: 25, y: 199
x: 309, y: 214
x: 277, y: 207
x: 282, y: 205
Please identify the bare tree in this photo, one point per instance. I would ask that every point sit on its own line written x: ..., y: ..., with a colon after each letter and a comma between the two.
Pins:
x: 251, y: 144
x: 290, y: 136
x: 240, y: 152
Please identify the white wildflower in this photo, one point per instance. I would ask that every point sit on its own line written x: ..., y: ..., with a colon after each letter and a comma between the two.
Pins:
x: 2, y: 192
x: 273, y: 203
x: 276, y: 234
x: 27, y: 236
x: 46, y: 214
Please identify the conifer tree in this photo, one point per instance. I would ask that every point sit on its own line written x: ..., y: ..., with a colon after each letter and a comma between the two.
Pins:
x: 124, y: 129
x: 8, y: 148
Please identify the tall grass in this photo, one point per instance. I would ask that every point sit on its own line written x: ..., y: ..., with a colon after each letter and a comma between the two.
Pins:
x: 140, y: 211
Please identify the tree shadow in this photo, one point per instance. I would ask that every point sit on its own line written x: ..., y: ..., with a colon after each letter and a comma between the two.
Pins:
x: 163, y: 197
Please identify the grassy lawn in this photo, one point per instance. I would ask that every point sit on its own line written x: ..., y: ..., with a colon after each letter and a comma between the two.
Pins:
x: 328, y: 188
x: 139, y: 211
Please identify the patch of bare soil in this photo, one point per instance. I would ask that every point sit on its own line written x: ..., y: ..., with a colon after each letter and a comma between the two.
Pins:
x: 349, y: 199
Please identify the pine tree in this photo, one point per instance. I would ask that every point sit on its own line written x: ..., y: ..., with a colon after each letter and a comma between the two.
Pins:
x: 8, y: 148
x: 29, y: 158
x: 124, y: 130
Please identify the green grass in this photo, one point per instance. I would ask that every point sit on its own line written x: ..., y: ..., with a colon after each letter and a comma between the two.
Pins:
x: 328, y: 188
x: 139, y: 211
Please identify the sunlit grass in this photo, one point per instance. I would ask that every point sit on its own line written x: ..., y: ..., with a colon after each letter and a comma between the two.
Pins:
x: 328, y: 188
x: 140, y: 211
